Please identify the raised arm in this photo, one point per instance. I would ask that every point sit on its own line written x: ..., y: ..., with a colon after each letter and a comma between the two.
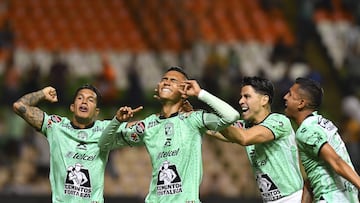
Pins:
x: 228, y: 114
x: 110, y: 136
x: 328, y: 154
x: 26, y: 106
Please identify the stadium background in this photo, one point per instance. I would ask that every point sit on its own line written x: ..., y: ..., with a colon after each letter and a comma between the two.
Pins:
x: 123, y: 46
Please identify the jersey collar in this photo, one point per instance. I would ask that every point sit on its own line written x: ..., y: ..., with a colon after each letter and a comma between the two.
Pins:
x: 172, y: 115
x: 86, y: 127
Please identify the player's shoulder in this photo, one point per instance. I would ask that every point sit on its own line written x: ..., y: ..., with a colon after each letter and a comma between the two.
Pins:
x: 53, y: 118
x: 277, y: 118
x: 275, y: 115
x: 195, y: 114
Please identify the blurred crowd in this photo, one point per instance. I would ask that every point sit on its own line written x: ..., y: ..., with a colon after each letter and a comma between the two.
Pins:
x: 130, y: 78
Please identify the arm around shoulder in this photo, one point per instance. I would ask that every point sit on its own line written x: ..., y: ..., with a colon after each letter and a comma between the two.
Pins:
x: 227, y: 112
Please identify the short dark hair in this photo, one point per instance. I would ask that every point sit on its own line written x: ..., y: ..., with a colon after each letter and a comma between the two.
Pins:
x: 92, y: 88
x: 178, y: 69
x: 260, y: 85
x: 313, y: 91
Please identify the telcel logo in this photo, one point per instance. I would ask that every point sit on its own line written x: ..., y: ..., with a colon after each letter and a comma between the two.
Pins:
x: 80, y: 156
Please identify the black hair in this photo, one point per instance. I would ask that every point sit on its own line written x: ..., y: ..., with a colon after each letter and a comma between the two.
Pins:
x: 260, y: 85
x: 178, y: 69
x: 313, y: 91
x: 92, y: 88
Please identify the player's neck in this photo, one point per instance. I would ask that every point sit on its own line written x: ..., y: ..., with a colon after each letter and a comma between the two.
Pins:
x: 169, y: 109
x: 302, y: 115
x: 82, y: 123
x: 261, y: 116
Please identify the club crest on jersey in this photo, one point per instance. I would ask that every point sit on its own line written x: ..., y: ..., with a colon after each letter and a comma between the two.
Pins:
x: 82, y: 135
x: 169, y: 129
x: 140, y: 128
x: 169, y: 132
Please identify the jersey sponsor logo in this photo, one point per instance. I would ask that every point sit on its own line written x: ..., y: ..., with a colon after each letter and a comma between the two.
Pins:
x: 326, y: 124
x: 153, y: 123
x: 269, y: 191
x: 140, y: 127
x: 169, y: 181
x: 134, y: 137
x: 97, y: 129
x: 67, y: 126
x: 82, y: 146
x: 77, y: 182
x: 238, y: 124
x: 51, y: 120
x: 80, y: 156
x: 170, y: 153
x: 55, y: 119
x: 303, y: 130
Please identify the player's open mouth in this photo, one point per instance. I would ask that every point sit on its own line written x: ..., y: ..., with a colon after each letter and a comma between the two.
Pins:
x: 165, y: 90
x: 83, y: 109
x: 244, y: 109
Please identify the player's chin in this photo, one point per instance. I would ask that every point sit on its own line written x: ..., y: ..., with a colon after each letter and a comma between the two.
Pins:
x: 287, y: 112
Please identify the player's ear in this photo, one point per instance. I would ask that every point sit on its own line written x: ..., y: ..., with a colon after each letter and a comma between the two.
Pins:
x: 72, y: 108
x: 97, y: 111
x: 302, y: 103
x: 265, y: 99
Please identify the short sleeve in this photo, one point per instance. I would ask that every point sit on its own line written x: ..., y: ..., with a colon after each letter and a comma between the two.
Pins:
x: 311, y: 140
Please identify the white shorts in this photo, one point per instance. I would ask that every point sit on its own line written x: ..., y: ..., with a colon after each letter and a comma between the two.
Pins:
x: 293, y: 198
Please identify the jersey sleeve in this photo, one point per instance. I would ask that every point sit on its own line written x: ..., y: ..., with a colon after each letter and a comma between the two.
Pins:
x: 112, y: 136
x: 225, y: 114
x: 311, y: 140
x: 278, y: 124
x: 133, y: 134
x: 48, y: 122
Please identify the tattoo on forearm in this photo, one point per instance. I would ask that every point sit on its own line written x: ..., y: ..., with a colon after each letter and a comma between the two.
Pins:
x: 28, y: 110
x: 32, y: 99
x: 22, y: 110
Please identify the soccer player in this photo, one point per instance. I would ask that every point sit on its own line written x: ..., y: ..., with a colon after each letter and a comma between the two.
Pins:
x: 77, y: 165
x: 326, y: 161
x: 270, y: 143
x: 173, y: 137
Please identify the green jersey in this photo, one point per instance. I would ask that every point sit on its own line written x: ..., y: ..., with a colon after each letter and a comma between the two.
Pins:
x: 276, y: 163
x: 313, y: 133
x: 77, y: 164
x: 174, y: 146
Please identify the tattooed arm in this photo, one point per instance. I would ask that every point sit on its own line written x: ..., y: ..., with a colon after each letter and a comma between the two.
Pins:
x: 27, y: 109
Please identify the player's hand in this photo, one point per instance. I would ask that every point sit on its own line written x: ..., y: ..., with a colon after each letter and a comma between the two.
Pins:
x: 186, y: 106
x: 191, y: 88
x: 156, y: 94
x: 125, y: 113
x: 50, y: 94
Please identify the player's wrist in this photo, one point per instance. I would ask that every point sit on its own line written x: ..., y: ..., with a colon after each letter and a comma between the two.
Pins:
x: 201, y: 93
